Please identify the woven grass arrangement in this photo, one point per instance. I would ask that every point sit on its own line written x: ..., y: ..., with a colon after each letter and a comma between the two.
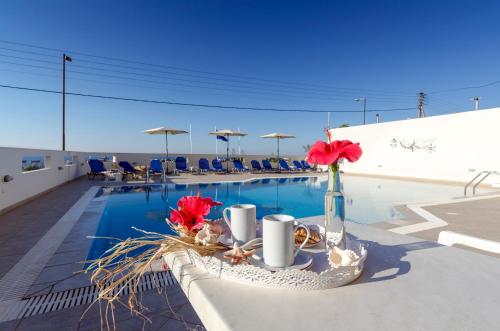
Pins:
x: 120, y: 267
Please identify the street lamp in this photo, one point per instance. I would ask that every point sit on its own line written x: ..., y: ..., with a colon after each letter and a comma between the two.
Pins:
x: 364, y: 107
x: 66, y: 58
x: 476, y: 102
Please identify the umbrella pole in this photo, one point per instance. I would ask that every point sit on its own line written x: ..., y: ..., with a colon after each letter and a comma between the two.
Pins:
x: 277, y: 196
x: 279, y: 165
x: 227, y: 155
x: 165, y: 170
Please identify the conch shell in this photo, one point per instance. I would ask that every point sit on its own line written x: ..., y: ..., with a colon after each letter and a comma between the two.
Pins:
x: 344, y: 257
x: 209, y: 234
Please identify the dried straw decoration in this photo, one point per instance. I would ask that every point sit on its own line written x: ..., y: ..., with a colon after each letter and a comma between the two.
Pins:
x: 117, y: 270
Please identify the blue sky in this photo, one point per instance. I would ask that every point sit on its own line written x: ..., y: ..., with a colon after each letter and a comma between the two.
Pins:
x: 306, y: 54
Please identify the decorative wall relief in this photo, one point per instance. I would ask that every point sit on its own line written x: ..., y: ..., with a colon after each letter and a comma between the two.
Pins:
x: 414, y: 145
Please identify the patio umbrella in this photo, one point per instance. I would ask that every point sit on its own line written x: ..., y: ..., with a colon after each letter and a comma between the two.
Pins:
x: 277, y: 136
x: 166, y: 131
x: 226, y: 134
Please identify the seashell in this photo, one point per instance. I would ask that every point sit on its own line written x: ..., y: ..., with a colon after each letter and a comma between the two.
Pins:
x: 342, y: 257
x: 209, y: 234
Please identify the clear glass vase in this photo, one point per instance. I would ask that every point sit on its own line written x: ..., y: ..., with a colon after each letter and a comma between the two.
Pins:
x: 334, y: 212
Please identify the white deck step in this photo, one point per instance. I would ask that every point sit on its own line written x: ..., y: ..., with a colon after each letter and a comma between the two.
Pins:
x: 450, y: 238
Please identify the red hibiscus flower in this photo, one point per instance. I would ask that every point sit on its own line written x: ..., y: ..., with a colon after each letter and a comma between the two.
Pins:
x: 323, y: 153
x: 191, y: 211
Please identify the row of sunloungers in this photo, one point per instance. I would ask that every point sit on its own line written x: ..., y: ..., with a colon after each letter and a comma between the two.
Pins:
x: 156, y: 167
x: 283, y: 165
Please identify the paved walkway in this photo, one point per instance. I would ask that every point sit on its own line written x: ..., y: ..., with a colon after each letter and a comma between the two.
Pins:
x: 478, y: 218
x: 22, y: 227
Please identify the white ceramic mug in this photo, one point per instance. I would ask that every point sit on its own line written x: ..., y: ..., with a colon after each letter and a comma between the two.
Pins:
x: 243, y: 222
x: 279, y: 240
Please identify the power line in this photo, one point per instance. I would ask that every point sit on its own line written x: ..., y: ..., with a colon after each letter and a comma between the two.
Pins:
x: 201, y: 71
x: 447, y: 103
x: 156, y: 71
x: 177, y: 89
x: 294, y: 85
x: 260, y: 88
x: 467, y: 87
x: 196, y: 105
x: 238, y: 90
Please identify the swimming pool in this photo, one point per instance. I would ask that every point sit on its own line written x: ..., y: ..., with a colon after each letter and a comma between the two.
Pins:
x: 368, y: 200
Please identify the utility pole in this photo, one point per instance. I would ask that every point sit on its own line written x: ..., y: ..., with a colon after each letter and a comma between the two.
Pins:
x: 476, y: 102
x: 65, y: 59
x: 364, y: 107
x: 421, y: 98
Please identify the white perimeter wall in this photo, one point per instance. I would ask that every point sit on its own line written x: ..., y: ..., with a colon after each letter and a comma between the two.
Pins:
x: 451, y: 147
x: 29, y: 184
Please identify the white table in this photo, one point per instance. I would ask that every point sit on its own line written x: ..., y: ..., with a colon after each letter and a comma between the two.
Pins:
x: 407, y: 284
x: 114, y: 176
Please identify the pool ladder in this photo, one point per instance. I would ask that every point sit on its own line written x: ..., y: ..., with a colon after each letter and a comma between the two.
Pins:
x: 483, y: 174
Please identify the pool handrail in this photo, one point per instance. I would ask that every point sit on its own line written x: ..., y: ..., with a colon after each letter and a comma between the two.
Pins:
x: 485, y: 175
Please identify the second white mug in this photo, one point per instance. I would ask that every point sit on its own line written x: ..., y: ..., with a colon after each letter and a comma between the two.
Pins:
x: 278, y: 235
x: 243, y: 223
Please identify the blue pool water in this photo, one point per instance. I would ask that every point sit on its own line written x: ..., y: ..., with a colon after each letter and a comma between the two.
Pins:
x: 368, y: 200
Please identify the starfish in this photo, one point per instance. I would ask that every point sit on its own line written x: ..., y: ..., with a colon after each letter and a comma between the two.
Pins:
x: 238, y: 255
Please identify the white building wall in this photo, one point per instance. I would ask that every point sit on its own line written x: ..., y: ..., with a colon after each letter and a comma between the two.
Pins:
x: 451, y: 147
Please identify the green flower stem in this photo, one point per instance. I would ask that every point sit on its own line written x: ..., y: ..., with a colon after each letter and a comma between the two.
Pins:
x: 334, y: 167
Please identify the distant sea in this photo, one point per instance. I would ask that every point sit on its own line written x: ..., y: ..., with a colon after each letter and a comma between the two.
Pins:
x: 29, y: 161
